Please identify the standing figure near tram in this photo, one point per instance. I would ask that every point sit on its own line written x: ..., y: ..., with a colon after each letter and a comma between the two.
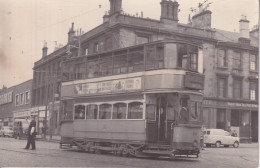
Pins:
x: 184, y: 111
x: 31, y: 134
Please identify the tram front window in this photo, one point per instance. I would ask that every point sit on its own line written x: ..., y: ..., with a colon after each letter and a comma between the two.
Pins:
x: 195, y: 110
x: 79, y: 112
x: 135, y: 110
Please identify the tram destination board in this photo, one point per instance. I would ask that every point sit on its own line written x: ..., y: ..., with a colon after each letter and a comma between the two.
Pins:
x: 194, y: 81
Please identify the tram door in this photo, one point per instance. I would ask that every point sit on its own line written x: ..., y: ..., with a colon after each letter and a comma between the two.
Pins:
x: 159, y: 129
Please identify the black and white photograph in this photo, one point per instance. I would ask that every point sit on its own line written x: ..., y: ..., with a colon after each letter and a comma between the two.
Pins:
x: 129, y: 83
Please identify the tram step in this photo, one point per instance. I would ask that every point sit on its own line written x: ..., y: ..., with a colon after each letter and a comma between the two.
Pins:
x: 156, y: 152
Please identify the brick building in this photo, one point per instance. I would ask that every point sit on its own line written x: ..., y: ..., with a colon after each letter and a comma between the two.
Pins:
x: 230, y: 62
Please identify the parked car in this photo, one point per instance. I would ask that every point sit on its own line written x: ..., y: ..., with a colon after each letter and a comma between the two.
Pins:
x: 6, y: 131
x: 20, y: 129
x: 220, y: 137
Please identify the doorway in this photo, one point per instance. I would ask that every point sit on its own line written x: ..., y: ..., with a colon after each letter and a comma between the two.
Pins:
x: 254, y: 126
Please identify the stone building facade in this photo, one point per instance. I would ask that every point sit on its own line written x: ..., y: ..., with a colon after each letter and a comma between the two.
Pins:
x: 230, y: 62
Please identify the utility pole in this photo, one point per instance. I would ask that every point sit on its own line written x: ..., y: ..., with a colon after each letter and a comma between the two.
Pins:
x: 53, y: 101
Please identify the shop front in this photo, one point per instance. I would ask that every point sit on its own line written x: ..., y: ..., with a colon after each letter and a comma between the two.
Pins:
x: 239, y: 117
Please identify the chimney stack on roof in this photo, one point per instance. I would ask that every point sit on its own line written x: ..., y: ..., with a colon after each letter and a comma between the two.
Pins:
x: 44, y: 49
x: 169, y: 13
x: 71, y: 34
x: 115, y: 6
x: 244, y: 30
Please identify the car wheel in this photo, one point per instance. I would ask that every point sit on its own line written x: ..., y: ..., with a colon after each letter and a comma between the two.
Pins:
x: 236, y: 144
x: 218, y: 144
x: 208, y: 145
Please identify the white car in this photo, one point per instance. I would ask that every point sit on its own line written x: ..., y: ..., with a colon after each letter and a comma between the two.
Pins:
x: 6, y: 131
x: 219, y: 137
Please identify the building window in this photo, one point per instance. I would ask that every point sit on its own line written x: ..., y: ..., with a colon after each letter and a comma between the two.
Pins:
x: 135, y: 110
x: 17, y: 100
x: 27, y: 97
x: 119, y: 111
x: 105, y: 111
x: 253, y: 90
x: 237, y: 88
x: 86, y: 51
x: 21, y: 99
x: 252, y: 62
x: 222, y: 58
x: 222, y: 87
x: 237, y: 60
x: 141, y: 39
x: 96, y: 47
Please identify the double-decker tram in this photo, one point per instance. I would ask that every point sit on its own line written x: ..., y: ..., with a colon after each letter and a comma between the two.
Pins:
x: 144, y: 100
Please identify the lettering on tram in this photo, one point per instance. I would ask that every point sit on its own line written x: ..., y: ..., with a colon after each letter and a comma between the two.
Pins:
x: 147, y: 108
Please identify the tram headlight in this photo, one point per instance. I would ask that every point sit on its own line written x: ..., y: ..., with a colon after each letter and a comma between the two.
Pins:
x: 195, y: 143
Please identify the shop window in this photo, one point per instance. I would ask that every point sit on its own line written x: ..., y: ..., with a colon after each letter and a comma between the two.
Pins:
x: 222, y: 87
x: 105, y: 111
x: 136, y: 59
x: 237, y: 88
x: 119, y: 111
x: 154, y: 57
x: 253, y: 90
x: 237, y: 60
x: 92, y: 67
x: 221, y: 118
x: 120, y: 62
x: 79, y: 112
x: 92, y: 111
x: 141, y: 39
x: 235, y: 118
x: 222, y: 58
x: 105, y: 65
x: 253, y: 63
x: 135, y: 110
x: 150, y: 112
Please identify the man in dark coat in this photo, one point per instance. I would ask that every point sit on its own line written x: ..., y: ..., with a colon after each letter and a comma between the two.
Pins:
x: 31, y: 135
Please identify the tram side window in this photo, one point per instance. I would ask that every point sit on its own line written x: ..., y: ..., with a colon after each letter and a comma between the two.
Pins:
x: 195, y: 110
x: 105, y: 111
x: 119, y: 111
x: 187, y: 57
x: 92, y: 111
x: 136, y: 60
x: 135, y: 110
x: 79, y: 112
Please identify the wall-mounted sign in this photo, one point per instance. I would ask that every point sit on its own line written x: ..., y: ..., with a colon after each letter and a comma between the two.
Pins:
x: 246, y: 105
x: 194, y: 81
x: 108, y: 86
x: 6, y: 98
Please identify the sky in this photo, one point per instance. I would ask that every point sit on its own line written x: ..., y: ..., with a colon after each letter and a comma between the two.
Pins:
x: 26, y: 24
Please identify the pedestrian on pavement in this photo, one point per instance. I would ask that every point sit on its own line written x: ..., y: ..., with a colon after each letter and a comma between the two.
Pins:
x: 31, y: 135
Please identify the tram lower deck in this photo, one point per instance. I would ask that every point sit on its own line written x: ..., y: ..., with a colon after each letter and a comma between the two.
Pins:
x: 161, y: 124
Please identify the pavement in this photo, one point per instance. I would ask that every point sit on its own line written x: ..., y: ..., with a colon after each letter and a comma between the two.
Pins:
x: 53, y: 138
